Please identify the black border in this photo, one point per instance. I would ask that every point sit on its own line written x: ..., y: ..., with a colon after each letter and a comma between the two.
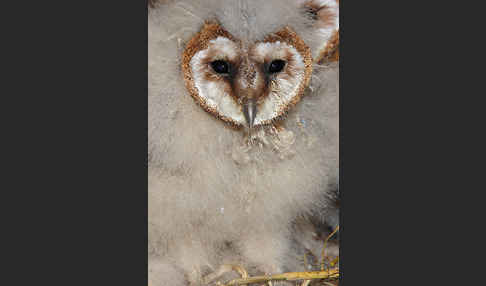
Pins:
x: 75, y: 169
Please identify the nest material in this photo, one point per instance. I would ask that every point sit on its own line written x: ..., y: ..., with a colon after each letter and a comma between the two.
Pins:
x: 328, y: 274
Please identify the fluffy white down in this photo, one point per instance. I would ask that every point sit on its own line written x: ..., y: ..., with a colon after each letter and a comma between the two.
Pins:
x: 212, y: 199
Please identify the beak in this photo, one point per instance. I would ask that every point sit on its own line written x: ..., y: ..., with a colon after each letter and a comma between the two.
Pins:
x: 250, y: 110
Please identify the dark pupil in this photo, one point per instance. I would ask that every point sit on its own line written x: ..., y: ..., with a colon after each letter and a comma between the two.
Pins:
x: 276, y: 66
x: 220, y: 66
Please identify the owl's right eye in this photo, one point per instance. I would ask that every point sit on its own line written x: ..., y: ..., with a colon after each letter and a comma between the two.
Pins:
x: 276, y: 66
x: 220, y: 66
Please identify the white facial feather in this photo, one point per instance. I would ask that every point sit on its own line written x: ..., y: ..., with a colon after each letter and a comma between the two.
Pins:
x: 226, y: 47
x: 283, y: 89
x: 213, y: 93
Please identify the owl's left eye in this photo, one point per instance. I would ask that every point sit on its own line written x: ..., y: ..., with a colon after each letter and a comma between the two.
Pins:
x: 220, y: 66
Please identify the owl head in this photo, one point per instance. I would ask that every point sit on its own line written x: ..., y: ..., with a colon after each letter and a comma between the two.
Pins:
x: 251, y: 79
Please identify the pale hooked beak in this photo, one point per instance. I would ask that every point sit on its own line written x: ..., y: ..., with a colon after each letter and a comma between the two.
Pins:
x: 250, y: 110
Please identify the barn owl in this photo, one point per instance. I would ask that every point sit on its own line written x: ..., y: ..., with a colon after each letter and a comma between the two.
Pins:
x: 242, y: 133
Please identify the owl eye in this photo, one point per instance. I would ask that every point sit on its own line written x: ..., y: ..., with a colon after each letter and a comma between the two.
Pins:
x: 220, y: 66
x: 276, y: 66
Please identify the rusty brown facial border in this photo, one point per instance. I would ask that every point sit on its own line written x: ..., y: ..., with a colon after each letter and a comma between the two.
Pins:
x: 210, y: 31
